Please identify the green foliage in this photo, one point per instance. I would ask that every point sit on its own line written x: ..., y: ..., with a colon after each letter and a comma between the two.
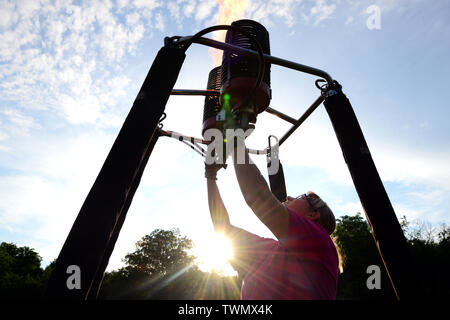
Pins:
x: 160, y: 252
x: 429, y: 248
x: 21, y: 275
x: 358, y: 251
x: 432, y: 261
x: 162, y: 267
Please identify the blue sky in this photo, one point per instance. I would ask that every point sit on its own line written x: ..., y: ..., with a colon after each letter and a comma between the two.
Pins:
x: 70, y: 70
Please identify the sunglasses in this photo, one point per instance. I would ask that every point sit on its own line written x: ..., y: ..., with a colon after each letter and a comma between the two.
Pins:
x: 307, y: 200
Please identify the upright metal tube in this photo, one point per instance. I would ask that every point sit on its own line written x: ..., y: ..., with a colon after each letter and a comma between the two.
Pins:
x: 267, y: 58
x: 189, y: 92
x: 281, y: 115
x: 96, y: 284
x: 380, y: 214
x: 302, y: 119
x: 94, y: 232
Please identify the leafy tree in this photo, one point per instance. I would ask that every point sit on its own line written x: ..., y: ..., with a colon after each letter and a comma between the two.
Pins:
x: 163, y: 267
x: 430, y: 248
x: 358, y: 251
x: 160, y: 252
x: 21, y: 275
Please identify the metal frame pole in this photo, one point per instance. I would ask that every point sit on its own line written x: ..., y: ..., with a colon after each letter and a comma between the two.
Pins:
x: 95, y: 230
x: 267, y: 58
x: 386, y: 229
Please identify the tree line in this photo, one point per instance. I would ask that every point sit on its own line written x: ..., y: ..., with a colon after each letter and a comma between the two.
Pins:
x: 164, y: 267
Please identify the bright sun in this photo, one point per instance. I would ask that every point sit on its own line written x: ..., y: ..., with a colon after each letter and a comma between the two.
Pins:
x: 214, y: 253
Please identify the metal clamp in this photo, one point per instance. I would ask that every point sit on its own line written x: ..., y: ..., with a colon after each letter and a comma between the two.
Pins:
x: 272, y: 153
x: 160, y: 124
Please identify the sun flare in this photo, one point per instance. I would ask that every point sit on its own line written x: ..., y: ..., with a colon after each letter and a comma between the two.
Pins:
x: 214, y: 253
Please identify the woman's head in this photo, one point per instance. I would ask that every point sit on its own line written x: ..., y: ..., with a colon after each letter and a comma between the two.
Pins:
x: 312, y: 207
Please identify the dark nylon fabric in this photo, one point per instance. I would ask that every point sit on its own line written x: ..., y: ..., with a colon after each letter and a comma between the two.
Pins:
x: 277, y: 183
x: 95, y: 230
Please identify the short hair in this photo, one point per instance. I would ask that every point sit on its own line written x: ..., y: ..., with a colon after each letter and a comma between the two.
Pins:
x: 326, y: 216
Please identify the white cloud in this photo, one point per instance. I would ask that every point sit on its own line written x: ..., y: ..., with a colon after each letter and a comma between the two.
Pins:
x: 122, y: 4
x: 346, y: 208
x: 399, y: 164
x: 80, y: 110
x: 28, y: 8
x: 132, y: 18
x: 18, y: 119
x: 51, y: 177
x: 322, y: 11
x: 58, y: 55
x: 204, y: 9
x: 189, y: 8
x: 159, y: 21
x: 321, y: 150
x: 8, y: 14
x: 20, y: 201
x: 118, y: 84
x: 174, y: 10
x: 55, y: 31
x: 265, y: 11
x: 146, y: 4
